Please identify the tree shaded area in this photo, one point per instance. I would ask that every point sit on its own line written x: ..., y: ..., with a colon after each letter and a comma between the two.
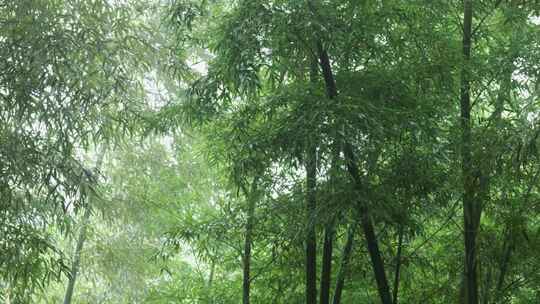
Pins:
x: 194, y: 151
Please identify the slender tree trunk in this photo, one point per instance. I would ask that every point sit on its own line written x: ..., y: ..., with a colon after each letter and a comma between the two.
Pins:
x: 352, y: 167
x: 326, y: 270
x: 80, y: 242
x: 504, y: 265
x: 345, y: 257
x: 398, y: 264
x: 247, y: 260
x: 311, y: 209
x: 376, y: 257
x: 77, y: 260
x: 471, y: 208
x: 311, y: 237
x: 251, y: 197
x: 503, y: 268
x: 329, y: 232
x: 486, y: 286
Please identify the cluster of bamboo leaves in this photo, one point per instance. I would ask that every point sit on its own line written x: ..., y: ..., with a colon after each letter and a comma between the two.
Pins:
x: 282, y: 151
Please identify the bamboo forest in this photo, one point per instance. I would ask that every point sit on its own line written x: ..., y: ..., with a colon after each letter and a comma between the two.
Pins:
x: 270, y: 151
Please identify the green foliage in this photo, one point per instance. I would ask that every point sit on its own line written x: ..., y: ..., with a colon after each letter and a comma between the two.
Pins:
x: 71, y: 76
x: 213, y: 110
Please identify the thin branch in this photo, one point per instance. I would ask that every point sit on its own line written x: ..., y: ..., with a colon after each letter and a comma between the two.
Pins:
x: 485, y: 17
x: 428, y: 239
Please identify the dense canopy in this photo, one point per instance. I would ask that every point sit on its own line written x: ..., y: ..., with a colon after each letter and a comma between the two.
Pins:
x: 287, y: 151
